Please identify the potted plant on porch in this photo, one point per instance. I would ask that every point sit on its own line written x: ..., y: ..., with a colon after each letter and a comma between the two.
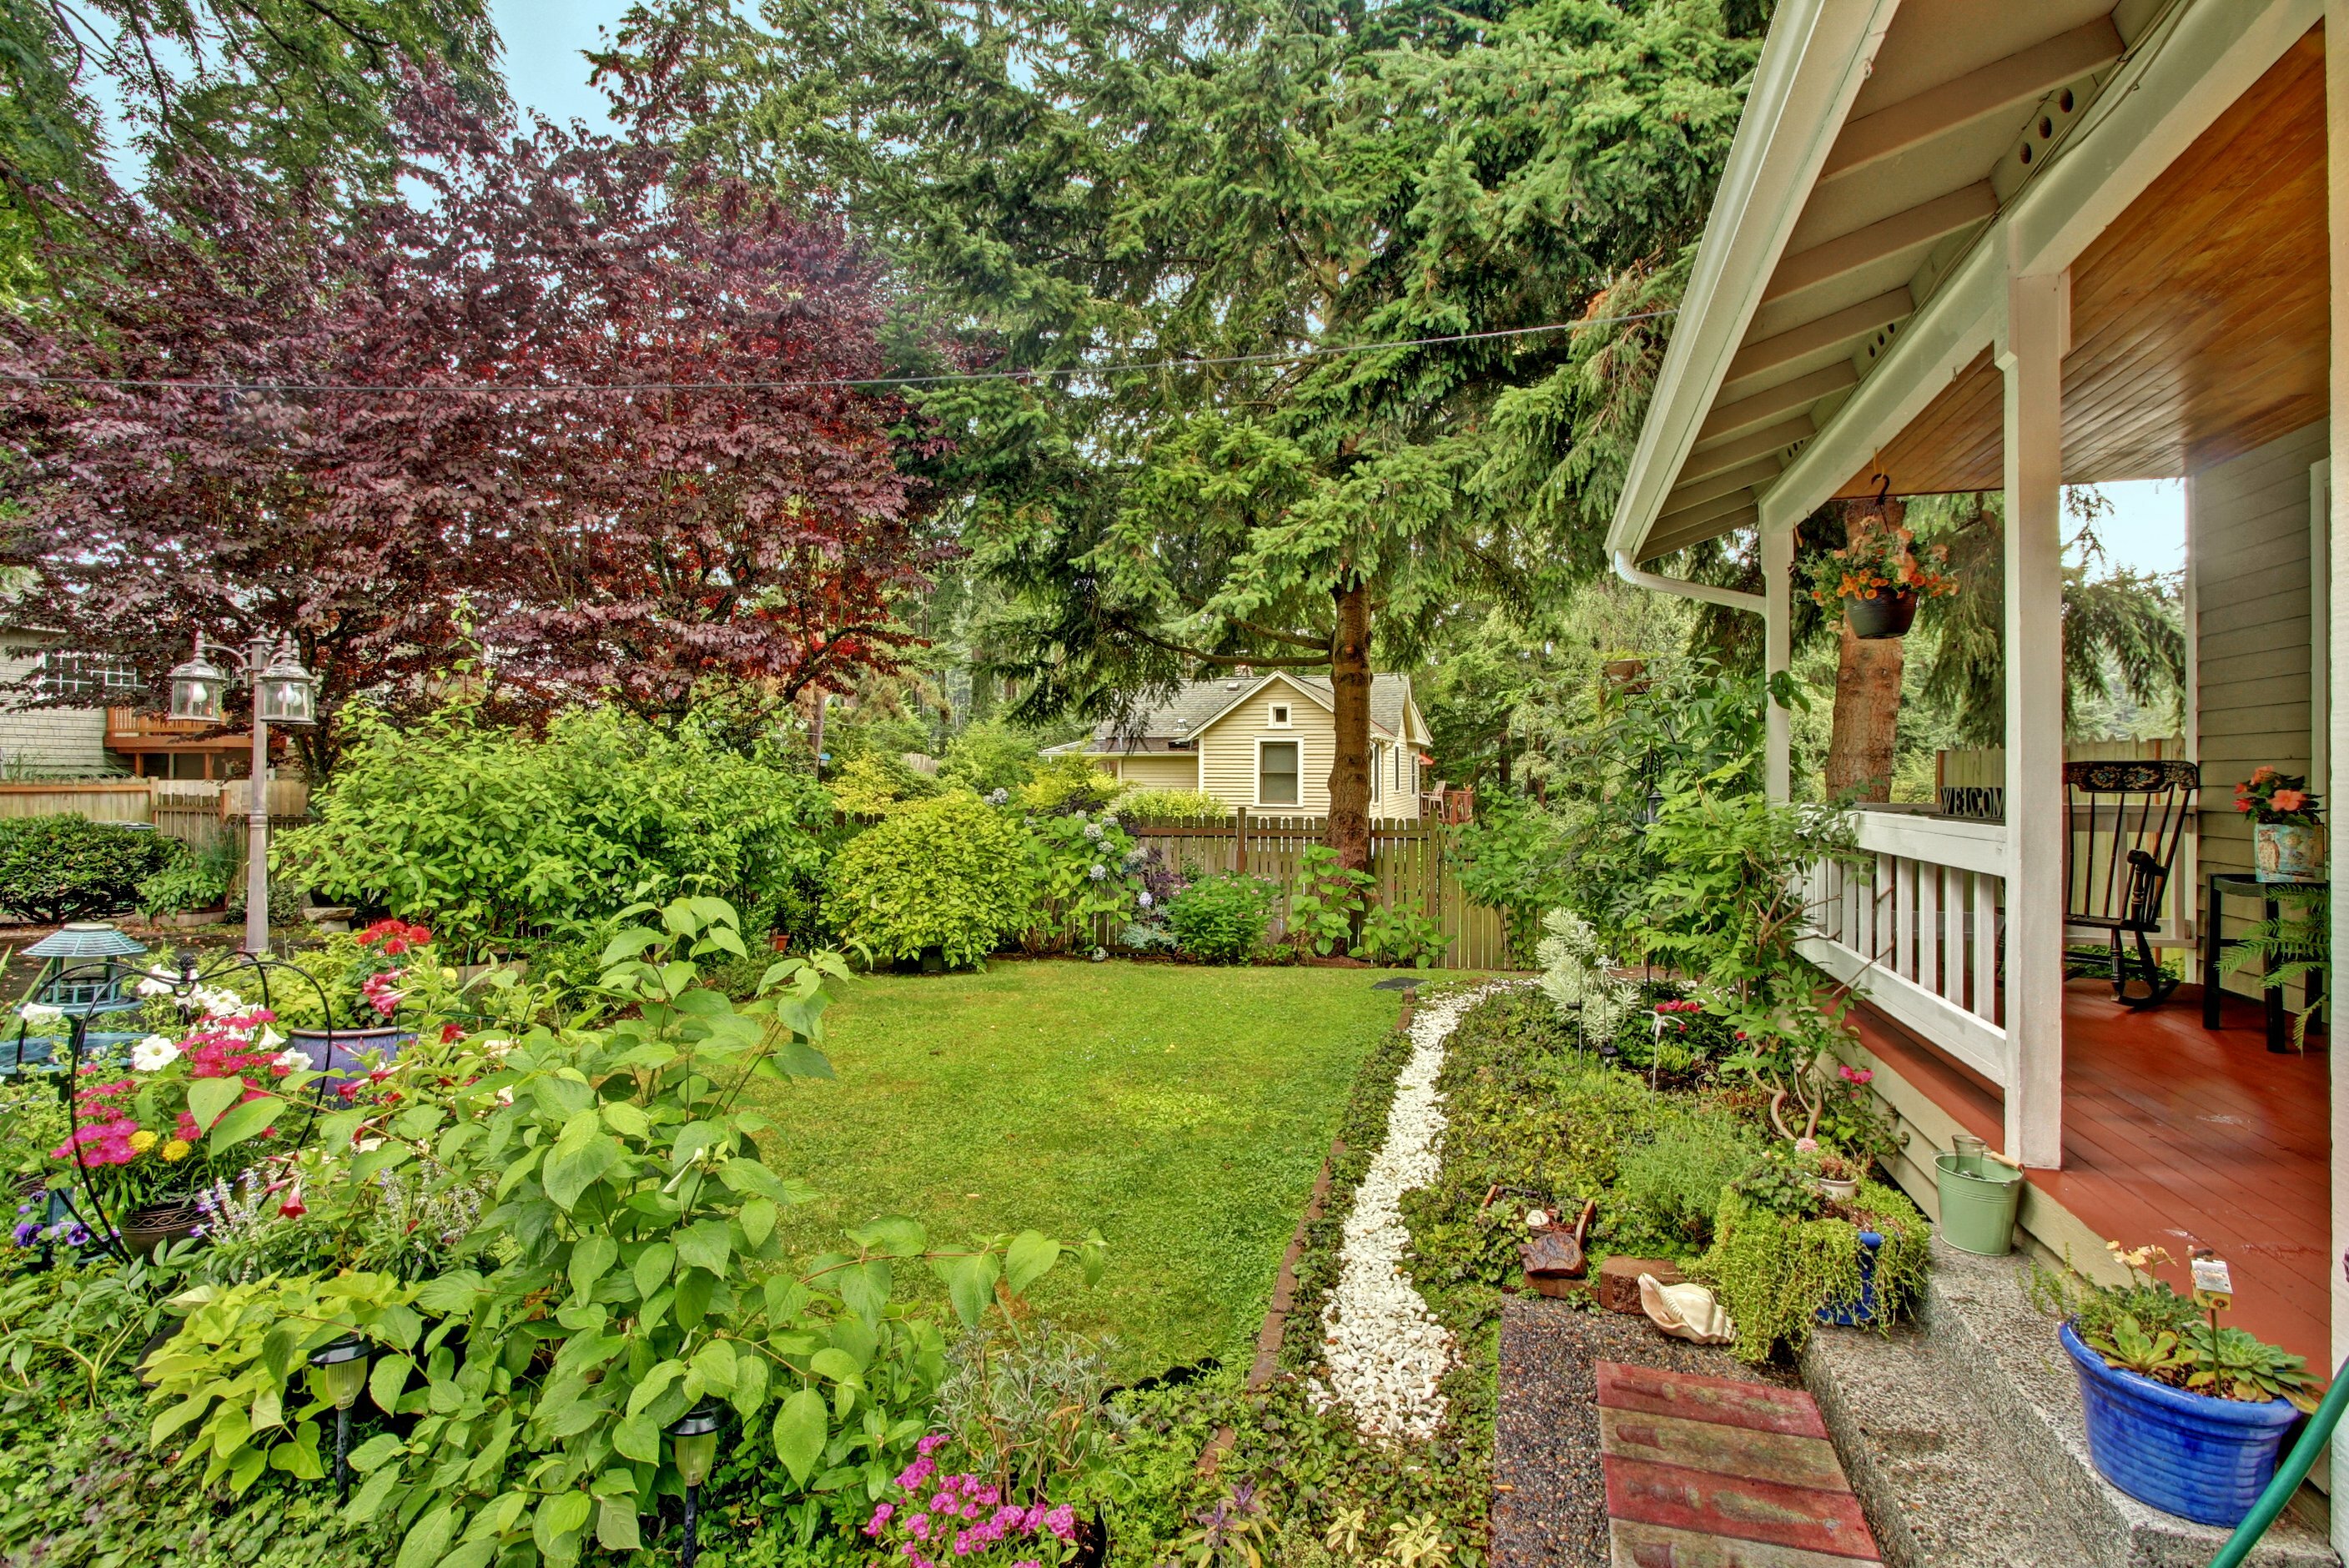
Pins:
x: 1879, y: 574
x: 2182, y: 1413
x: 2287, y: 834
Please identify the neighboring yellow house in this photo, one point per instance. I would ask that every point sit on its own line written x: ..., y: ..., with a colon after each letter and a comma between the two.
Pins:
x: 1265, y: 742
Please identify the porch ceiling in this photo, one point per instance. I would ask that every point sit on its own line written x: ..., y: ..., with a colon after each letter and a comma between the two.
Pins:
x: 1958, y: 103
x: 2199, y: 317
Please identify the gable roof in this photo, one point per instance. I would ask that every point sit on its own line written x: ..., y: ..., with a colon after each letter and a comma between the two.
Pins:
x: 1197, y: 705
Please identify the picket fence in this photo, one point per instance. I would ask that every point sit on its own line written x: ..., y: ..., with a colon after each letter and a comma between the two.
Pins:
x: 1407, y: 858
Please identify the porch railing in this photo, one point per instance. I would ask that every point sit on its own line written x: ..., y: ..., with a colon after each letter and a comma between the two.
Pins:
x: 1917, y: 932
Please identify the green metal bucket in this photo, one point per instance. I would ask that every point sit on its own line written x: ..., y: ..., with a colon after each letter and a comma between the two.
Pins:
x: 1978, y: 1198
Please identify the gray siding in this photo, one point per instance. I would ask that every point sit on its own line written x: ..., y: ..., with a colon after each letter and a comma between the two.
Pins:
x: 2248, y: 559
x: 48, y: 741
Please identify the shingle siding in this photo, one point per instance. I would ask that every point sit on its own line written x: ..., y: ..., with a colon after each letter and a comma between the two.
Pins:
x: 67, y: 741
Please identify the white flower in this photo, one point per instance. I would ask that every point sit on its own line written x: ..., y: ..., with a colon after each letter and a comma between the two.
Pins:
x: 368, y: 1145
x: 1098, y: 871
x: 38, y: 1014
x: 505, y: 1095
x: 271, y: 1040
x: 292, y: 1061
x: 155, y: 986
x: 1142, y: 898
x: 1093, y: 831
x: 154, y: 1053
x: 1108, y: 822
x: 217, y: 1001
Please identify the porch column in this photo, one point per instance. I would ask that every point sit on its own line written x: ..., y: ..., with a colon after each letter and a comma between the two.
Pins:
x: 1778, y: 657
x: 2031, y: 355
x: 2335, y: 724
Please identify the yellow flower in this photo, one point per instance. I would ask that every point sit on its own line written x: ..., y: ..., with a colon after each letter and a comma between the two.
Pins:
x: 142, y: 1140
x: 176, y: 1151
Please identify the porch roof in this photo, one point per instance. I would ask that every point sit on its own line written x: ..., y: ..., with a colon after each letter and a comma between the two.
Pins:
x: 1897, y: 158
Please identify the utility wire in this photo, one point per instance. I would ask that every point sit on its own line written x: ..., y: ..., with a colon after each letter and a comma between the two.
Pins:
x: 498, y: 388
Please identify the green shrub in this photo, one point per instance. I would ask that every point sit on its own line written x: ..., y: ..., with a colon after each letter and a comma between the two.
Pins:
x: 875, y: 785
x: 948, y: 873
x: 1069, y: 783
x: 190, y: 882
x: 1222, y: 920
x: 1402, y: 934
x: 67, y: 866
x: 486, y: 836
x: 1668, y: 1190
x: 989, y: 756
x: 1088, y: 874
x: 1169, y: 806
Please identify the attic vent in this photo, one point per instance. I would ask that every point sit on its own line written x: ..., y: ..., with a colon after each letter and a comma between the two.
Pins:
x: 1231, y: 685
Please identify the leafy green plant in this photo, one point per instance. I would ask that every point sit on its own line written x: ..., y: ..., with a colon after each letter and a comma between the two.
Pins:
x: 1668, y: 1190
x: 1068, y: 783
x: 1222, y: 919
x: 1170, y: 806
x: 628, y: 1269
x: 1087, y: 878
x: 489, y: 836
x: 1024, y: 1401
x: 2146, y: 1326
x: 950, y: 875
x: 1513, y: 857
x: 1325, y: 900
x: 1402, y: 935
x: 2295, y: 948
x: 1774, y: 1269
x: 987, y: 755
x: 877, y: 783
x: 67, y: 866
x: 191, y: 881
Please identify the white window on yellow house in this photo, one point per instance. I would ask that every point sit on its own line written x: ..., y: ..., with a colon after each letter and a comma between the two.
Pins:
x: 1280, y: 716
x: 1276, y: 773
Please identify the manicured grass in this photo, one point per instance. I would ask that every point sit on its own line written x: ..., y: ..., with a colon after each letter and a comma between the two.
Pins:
x: 1182, y: 1112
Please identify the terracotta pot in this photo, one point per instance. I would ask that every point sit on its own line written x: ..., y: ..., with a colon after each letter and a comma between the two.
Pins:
x: 1881, y: 615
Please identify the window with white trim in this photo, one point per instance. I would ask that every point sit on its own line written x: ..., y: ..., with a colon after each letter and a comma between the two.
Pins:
x: 97, y: 676
x: 1276, y: 773
x: 1378, y: 768
x: 1280, y: 716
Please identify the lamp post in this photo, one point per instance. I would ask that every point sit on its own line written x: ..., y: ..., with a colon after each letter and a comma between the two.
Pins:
x: 344, y: 1366
x: 283, y: 693
x: 693, y: 1444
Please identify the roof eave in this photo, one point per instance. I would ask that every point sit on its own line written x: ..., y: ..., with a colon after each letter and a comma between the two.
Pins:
x: 1812, y: 68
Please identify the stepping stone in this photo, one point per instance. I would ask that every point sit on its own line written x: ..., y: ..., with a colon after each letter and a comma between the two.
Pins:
x: 1708, y: 1472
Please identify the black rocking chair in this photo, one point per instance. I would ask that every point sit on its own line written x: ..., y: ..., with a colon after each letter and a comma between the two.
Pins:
x: 2126, y: 820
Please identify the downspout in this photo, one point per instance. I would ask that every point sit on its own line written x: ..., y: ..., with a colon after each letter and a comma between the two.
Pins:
x: 1680, y: 588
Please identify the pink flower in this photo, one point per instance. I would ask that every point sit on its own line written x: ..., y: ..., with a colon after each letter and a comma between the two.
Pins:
x: 942, y: 1504
x: 930, y: 1444
x: 914, y: 1474
x: 1062, y: 1523
x: 2289, y: 800
x: 1806, y: 1146
x: 880, y: 1517
x: 918, y: 1527
x: 1857, y: 1075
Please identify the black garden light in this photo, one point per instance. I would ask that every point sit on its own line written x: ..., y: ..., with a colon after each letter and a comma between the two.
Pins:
x: 693, y: 1444
x: 344, y: 1368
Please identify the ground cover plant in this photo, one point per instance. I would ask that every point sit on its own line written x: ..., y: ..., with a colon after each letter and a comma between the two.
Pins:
x: 1183, y: 1112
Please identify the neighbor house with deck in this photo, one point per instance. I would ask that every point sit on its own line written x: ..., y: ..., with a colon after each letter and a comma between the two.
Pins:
x: 1264, y: 743
x: 1969, y: 247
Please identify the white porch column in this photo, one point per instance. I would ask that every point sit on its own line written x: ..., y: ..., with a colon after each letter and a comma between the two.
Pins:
x: 1778, y: 657
x: 2336, y: 723
x: 2031, y: 354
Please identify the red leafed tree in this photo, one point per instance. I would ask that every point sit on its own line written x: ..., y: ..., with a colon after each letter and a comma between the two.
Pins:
x: 592, y: 411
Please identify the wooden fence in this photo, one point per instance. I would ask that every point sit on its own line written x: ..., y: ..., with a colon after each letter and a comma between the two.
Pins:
x: 202, y: 813
x: 1406, y: 858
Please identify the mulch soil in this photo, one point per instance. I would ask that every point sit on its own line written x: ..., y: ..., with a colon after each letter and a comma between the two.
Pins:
x: 1549, y: 1490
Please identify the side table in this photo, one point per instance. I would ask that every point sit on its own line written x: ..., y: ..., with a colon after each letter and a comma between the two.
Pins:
x: 2235, y: 884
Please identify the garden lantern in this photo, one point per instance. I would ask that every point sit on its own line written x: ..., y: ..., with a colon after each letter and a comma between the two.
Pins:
x: 283, y: 693
x: 343, y: 1366
x: 196, y: 688
x: 87, y: 976
x: 693, y: 1444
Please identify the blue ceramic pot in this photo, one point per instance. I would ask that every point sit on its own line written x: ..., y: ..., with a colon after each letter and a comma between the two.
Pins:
x: 344, y: 1054
x: 2193, y: 1455
x: 1864, y: 1309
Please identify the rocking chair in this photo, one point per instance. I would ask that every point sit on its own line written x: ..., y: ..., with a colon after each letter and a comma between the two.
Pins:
x: 2124, y: 821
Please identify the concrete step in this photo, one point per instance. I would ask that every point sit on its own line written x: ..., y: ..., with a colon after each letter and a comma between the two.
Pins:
x: 1964, y: 1437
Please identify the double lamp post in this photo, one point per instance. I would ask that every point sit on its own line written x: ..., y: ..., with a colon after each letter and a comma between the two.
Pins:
x: 283, y: 693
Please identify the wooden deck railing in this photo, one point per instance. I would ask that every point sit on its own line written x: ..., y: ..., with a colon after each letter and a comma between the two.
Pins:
x: 1917, y: 932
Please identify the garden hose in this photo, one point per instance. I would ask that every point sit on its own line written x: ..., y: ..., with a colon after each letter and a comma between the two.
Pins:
x: 2288, y: 1475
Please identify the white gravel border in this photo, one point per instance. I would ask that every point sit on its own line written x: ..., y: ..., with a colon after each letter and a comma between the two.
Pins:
x: 1383, y: 1352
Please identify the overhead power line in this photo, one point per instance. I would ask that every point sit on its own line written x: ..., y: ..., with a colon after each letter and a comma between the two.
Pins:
x: 535, y: 388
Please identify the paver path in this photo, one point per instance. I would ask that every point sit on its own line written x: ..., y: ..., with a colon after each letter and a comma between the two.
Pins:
x: 1708, y: 1472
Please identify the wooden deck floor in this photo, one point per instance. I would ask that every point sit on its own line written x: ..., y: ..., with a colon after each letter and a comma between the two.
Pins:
x: 2184, y: 1136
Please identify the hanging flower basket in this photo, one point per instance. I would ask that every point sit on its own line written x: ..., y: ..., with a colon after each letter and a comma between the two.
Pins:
x: 1881, y: 615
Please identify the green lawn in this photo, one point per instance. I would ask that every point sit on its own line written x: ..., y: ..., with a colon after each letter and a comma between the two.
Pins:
x: 1182, y: 1112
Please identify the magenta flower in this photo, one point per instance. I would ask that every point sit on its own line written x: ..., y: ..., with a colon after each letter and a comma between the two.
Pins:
x: 880, y: 1517
x: 1062, y: 1523
x: 918, y: 1527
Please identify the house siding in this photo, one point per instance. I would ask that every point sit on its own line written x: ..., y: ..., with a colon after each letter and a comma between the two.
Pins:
x: 1159, y: 770
x: 1227, y: 751
x: 2249, y: 590
x: 52, y: 740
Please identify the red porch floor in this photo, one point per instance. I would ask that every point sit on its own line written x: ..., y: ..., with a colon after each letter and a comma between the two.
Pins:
x: 2180, y: 1136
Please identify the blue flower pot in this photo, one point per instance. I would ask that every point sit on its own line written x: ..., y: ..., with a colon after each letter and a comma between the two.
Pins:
x: 1864, y: 1309
x: 2193, y: 1455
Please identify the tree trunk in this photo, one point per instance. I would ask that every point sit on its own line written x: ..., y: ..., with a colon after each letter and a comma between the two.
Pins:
x: 1866, y: 720
x: 1350, y: 773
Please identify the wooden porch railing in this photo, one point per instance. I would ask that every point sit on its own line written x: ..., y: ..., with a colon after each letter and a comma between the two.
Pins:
x: 1917, y: 933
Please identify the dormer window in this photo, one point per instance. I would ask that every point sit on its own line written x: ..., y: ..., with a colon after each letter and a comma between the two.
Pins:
x: 1280, y: 716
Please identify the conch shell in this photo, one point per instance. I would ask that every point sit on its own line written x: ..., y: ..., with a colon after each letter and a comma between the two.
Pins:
x: 1686, y: 1312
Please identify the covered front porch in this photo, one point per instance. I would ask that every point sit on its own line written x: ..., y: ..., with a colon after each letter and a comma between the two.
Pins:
x: 2010, y: 249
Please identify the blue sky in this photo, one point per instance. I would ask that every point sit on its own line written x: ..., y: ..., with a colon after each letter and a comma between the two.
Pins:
x: 2147, y: 529
x: 543, y: 39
